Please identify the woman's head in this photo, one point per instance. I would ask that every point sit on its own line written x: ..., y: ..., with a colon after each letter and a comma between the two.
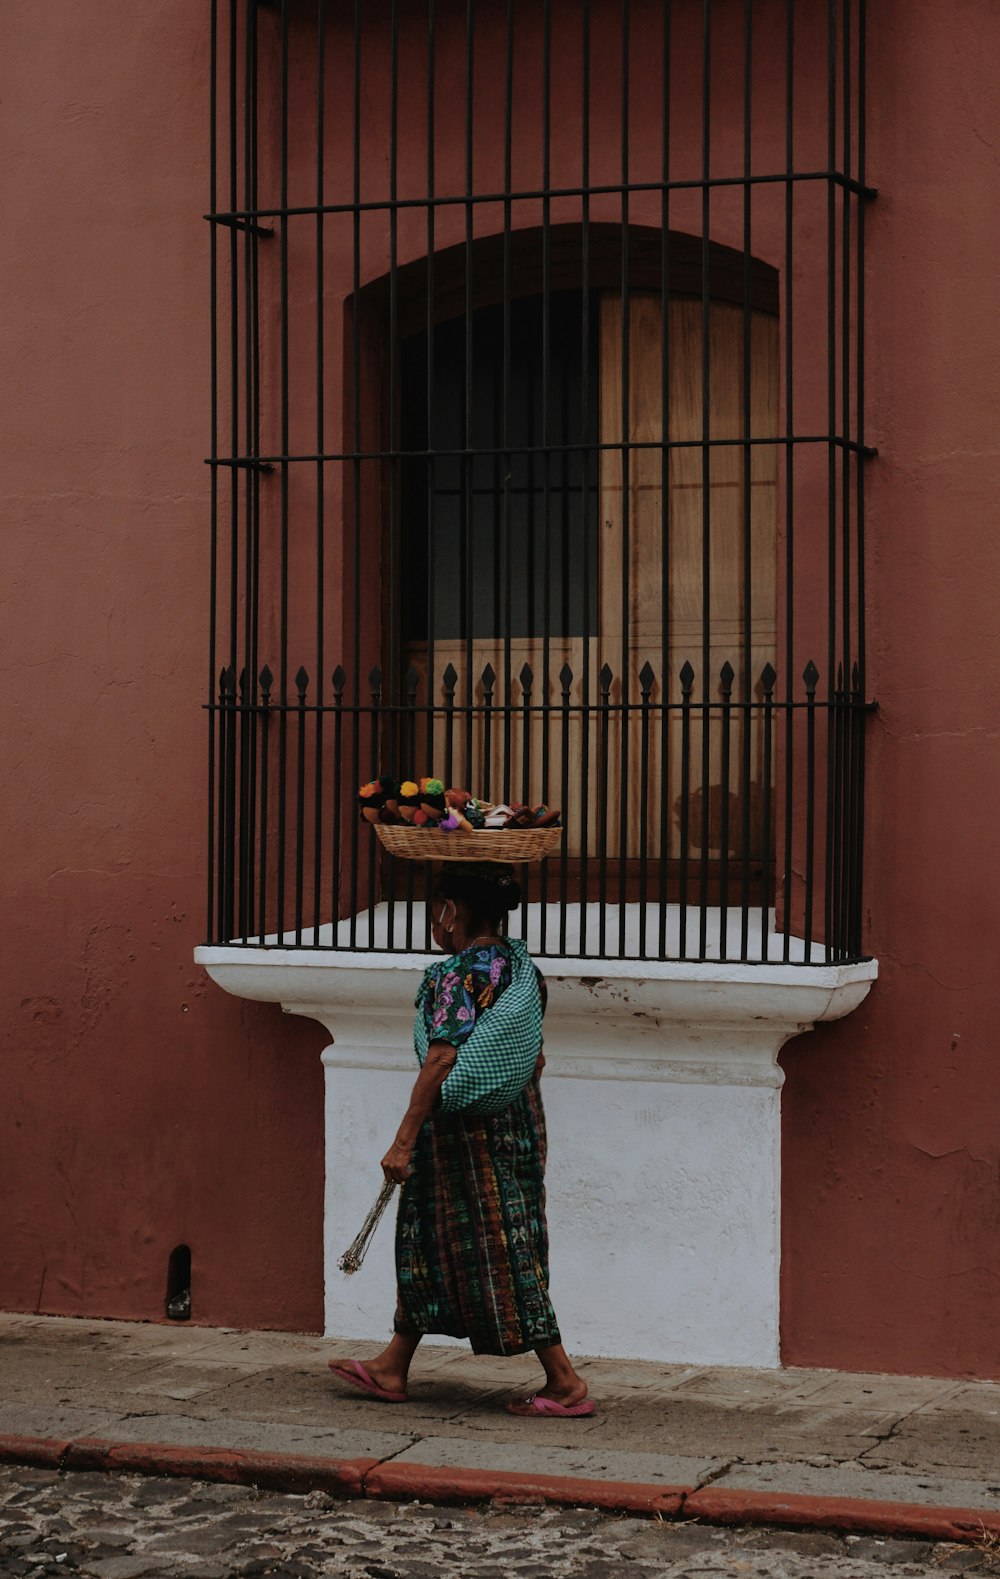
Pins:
x: 471, y: 898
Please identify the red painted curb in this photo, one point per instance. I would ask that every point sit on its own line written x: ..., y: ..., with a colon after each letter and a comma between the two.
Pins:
x: 718, y: 1506
x: 429, y: 1483
x: 276, y: 1471
x: 368, y: 1477
x: 42, y: 1452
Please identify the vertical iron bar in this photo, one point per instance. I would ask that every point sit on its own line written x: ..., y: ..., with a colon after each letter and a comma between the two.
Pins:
x: 320, y: 473
x: 646, y: 678
x: 626, y: 454
x: 246, y: 680
x: 687, y: 683
x: 604, y: 680
x: 546, y: 432
x: 301, y: 684
x: 831, y: 420
x: 253, y: 477
x: 376, y: 682
x: 847, y: 460
x: 339, y: 798
x: 266, y: 679
x: 527, y: 686
x: 859, y: 410
x: 356, y: 470
x: 244, y: 835
x: 527, y: 679
x: 857, y: 784
x: 585, y: 465
x: 726, y: 678
x: 859, y: 417
x: 431, y: 367
x: 706, y: 472
x: 450, y: 679
x: 283, y: 616
x: 846, y: 655
x: 468, y: 460
x: 724, y: 807
x: 566, y: 682
x: 230, y: 794
x: 234, y: 354
x: 789, y: 457
x: 233, y: 827
x: 389, y: 737
x: 214, y: 452
x: 746, y: 678
x: 811, y: 678
x: 840, y: 748
x: 665, y: 667
x: 489, y: 679
x: 508, y: 133
x: 768, y: 679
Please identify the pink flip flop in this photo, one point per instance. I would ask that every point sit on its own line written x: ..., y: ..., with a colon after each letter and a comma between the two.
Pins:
x: 536, y: 1405
x: 359, y: 1377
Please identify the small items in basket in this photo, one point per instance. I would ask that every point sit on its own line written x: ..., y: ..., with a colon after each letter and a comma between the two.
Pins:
x: 409, y: 799
x: 419, y: 819
x: 432, y: 801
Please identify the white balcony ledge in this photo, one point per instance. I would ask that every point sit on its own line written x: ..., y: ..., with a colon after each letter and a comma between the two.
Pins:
x: 663, y: 1104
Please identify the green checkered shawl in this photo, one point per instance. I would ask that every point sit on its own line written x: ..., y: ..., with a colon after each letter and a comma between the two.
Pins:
x: 498, y: 1057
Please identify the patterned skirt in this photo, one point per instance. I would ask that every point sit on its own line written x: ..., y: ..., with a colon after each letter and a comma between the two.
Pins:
x: 472, y: 1247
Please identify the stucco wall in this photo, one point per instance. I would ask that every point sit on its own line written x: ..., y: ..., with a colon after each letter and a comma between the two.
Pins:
x: 892, y: 1118
x: 141, y: 1108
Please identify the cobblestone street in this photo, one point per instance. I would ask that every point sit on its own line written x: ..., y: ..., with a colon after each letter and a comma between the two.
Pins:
x: 125, y: 1527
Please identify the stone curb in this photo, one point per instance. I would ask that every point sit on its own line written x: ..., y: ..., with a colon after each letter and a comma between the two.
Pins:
x: 372, y: 1478
x: 429, y: 1483
x: 852, y: 1515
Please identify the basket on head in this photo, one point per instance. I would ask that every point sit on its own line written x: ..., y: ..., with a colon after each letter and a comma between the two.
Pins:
x: 488, y: 844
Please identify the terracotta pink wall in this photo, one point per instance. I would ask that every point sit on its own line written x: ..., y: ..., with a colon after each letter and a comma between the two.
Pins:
x: 892, y: 1118
x: 141, y: 1107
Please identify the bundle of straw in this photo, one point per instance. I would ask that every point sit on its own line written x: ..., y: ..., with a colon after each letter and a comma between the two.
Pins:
x: 355, y: 1253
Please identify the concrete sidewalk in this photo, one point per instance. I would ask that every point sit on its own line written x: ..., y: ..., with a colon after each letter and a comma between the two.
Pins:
x: 891, y: 1454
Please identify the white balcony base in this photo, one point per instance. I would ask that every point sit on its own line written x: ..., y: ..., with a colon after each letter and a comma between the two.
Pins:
x: 662, y: 1093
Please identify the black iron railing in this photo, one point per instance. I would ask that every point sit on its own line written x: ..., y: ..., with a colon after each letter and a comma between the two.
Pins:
x: 537, y: 461
x: 670, y: 873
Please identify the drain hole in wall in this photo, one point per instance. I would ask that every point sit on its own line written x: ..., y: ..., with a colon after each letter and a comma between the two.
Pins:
x: 179, y: 1284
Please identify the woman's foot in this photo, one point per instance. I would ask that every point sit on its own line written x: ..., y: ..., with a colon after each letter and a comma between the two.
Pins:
x: 387, y: 1373
x: 360, y: 1376
x: 540, y: 1407
x: 564, y: 1392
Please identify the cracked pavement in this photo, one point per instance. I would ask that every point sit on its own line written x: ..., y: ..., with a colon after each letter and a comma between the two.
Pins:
x: 930, y: 1441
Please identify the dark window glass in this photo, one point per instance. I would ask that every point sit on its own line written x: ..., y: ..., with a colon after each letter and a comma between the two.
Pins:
x: 544, y: 506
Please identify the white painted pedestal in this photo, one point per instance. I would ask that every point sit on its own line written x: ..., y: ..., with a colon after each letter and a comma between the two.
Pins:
x: 662, y: 1094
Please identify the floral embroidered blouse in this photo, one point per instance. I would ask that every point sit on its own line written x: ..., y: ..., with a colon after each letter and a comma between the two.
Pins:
x: 460, y: 988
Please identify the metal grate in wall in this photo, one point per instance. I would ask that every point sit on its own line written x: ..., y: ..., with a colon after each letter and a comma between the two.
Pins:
x: 537, y: 462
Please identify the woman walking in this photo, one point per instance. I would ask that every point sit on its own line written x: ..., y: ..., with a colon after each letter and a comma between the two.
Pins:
x: 471, y: 1238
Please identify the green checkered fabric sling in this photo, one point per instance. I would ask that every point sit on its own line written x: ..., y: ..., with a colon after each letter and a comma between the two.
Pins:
x: 498, y: 1057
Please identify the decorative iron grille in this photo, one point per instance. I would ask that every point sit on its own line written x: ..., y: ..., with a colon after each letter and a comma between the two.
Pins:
x: 537, y: 455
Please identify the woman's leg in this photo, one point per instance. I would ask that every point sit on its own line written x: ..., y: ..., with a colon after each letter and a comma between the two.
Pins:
x: 562, y: 1384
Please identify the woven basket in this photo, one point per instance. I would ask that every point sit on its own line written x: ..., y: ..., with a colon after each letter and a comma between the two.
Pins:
x: 487, y: 844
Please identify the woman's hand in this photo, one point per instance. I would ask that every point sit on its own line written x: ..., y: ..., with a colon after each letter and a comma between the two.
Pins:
x: 539, y: 1066
x: 397, y: 1163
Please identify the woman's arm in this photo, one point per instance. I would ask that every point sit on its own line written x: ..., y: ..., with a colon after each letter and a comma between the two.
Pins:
x: 436, y: 1068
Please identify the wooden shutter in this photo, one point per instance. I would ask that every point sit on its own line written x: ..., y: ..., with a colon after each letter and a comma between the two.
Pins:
x: 634, y: 592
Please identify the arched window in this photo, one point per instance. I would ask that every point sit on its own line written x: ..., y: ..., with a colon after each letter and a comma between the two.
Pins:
x: 559, y: 515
